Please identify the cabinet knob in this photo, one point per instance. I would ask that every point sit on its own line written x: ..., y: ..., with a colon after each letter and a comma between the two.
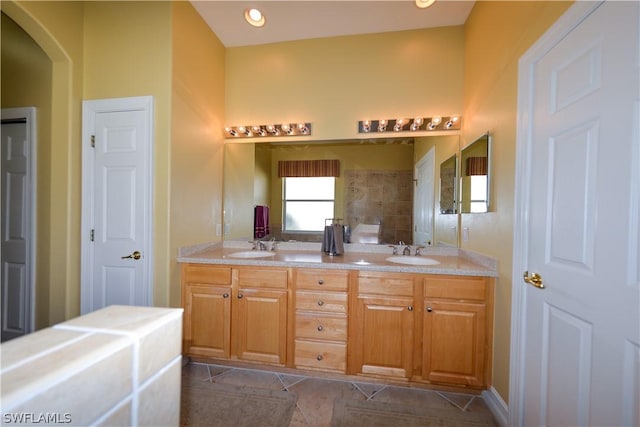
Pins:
x: 410, y: 308
x: 429, y: 309
x: 240, y: 296
x: 319, y: 357
x: 320, y: 282
x: 320, y: 303
x: 225, y: 295
x: 320, y: 328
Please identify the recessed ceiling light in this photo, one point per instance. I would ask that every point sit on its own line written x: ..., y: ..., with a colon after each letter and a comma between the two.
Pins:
x: 423, y: 4
x: 254, y: 17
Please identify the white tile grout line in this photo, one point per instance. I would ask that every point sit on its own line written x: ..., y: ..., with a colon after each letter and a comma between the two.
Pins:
x: 285, y: 387
x: 464, y: 409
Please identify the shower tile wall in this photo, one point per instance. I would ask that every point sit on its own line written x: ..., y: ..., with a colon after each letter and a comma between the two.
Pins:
x: 380, y: 197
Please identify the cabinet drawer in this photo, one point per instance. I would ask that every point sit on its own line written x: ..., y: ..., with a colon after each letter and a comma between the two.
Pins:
x: 321, y: 356
x: 385, y: 284
x: 261, y: 278
x: 321, y: 327
x: 455, y: 287
x: 327, y: 280
x: 327, y: 302
x: 197, y: 273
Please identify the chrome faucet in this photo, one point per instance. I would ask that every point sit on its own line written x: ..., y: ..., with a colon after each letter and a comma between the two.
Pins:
x: 418, y: 250
x: 406, y: 250
x: 395, y: 249
x: 258, y: 245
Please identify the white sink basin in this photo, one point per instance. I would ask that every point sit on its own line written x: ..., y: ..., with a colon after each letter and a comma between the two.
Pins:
x: 413, y: 260
x: 252, y: 254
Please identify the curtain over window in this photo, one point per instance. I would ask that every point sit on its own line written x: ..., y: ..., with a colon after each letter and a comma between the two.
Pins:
x: 476, y: 166
x: 308, y: 168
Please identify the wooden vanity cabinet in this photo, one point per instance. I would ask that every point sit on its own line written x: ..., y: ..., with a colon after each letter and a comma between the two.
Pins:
x: 435, y: 329
x: 260, y: 315
x: 235, y: 312
x: 382, y: 332
x: 321, y: 305
x: 206, y: 300
x: 457, y: 330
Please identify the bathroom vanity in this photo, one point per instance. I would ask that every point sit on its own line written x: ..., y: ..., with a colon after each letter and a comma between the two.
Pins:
x: 426, y: 319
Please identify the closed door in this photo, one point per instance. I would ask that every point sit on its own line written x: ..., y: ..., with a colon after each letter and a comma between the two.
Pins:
x: 117, y: 209
x: 18, y: 221
x: 578, y: 355
x: 424, y: 200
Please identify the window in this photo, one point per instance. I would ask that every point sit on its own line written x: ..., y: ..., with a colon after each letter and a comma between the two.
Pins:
x: 478, y: 193
x: 307, y: 203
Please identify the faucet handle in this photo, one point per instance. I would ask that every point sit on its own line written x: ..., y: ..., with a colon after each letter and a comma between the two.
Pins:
x: 254, y: 245
x: 395, y: 249
x: 418, y: 250
x: 274, y: 244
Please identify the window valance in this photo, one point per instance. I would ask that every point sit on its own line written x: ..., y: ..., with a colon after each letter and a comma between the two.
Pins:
x: 477, y: 166
x: 308, y: 168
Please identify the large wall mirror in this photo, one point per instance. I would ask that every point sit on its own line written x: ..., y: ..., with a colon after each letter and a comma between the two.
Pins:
x: 475, y: 167
x: 375, y: 186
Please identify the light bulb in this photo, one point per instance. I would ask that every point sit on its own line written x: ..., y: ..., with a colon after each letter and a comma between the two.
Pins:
x: 436, y: 120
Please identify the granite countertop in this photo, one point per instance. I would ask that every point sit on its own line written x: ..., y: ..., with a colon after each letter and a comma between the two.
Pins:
x: 452, y: 261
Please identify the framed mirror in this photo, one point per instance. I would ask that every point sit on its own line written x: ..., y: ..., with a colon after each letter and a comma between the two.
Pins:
x: 475, y: 168
x: 448, y: 186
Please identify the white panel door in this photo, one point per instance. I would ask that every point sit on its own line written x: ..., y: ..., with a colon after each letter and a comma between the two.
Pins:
x: 18, y: 225
x: 118, y: 176
x: 579, y: 357
x: 423, y: 200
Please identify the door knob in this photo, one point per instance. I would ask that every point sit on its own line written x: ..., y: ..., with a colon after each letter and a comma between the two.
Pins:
x: 534, y: 280
x: 135, y: 255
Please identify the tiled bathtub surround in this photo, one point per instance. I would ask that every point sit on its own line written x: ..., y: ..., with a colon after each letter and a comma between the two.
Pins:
x: 115, y: 366
x: 382, y: 197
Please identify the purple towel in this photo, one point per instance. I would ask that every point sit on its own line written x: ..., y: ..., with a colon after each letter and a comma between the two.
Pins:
x: 261, y: 222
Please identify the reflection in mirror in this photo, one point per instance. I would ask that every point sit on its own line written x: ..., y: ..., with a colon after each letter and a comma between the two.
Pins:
x: 445, y: 226
x: 375, y: 186
x: 474, y: 180
x: 448, y: 186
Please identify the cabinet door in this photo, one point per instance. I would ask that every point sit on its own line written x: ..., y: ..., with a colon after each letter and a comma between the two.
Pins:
x: 207, y: 321
x: 454, y: 342
x: 260, y: 325
x: 385, y: 336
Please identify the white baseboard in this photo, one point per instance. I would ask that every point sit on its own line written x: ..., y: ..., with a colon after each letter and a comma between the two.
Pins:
x: 497, y: 406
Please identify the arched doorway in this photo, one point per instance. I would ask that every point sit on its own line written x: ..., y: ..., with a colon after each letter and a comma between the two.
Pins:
x: 57, y: 275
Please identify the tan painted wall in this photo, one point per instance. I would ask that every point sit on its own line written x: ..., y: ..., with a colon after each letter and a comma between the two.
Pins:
x: 26, y: 82
x: 122, y: 49
x: 334, y: 82
x: 128, y: 53
x: 496, y: 35
x: 197, y: 110
x: 57, y: 27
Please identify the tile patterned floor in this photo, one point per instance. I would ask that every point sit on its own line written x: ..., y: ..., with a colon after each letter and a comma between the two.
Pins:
x: 316, y: 395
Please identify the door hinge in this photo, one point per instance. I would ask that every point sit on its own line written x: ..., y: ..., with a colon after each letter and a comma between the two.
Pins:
x: 93, y: 141
x: 92, y: 234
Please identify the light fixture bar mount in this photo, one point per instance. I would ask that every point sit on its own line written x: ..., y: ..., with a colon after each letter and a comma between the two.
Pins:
x: 257, y: 131
x: 429, y: 124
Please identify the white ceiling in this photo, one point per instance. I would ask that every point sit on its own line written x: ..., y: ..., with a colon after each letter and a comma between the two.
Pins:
x: 297, y: 20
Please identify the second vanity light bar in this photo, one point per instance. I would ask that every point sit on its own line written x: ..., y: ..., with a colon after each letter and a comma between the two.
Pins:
x: 286, y: 129
x: 410, y: 125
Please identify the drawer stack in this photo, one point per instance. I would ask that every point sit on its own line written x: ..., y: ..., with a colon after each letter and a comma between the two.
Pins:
x: 321, y: 320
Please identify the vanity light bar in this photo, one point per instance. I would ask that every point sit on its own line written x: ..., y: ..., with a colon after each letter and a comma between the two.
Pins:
x: 410, y: 125
x: 285, y: 129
